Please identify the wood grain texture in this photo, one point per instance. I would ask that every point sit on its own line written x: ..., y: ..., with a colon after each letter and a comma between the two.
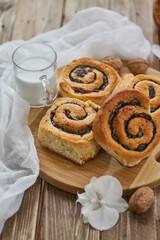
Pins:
x: 73, y: 6
x: 24, y: 223
x: 7, y: 18
x: 140, y: 12
x: 156, y: 213
x: 36, y: 16
x: 25, y: 19
x: 61, y: 218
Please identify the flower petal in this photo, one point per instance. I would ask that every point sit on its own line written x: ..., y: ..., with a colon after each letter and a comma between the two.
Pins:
x: 85, y: 220
x: 83, y: 198
x: 107, y: 187
x: 102, y: 202
x: 93, y: 179
x: 120, y: 205
x: 103, y: 218
x: 89, y: 208
x: 89, y: 189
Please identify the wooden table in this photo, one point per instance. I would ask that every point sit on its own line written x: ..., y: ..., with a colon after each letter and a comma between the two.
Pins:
x: 47, y: 212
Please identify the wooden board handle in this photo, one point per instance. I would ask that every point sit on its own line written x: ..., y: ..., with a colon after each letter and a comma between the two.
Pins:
x: 150, y: 172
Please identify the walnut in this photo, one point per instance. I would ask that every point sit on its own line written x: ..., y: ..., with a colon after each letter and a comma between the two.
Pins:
x: 156, y: 12
x: 141, y: 200
x: 114, y: 62
x: 137, y: 65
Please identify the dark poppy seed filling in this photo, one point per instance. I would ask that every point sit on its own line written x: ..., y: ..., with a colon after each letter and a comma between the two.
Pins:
x: 80, y: 71
x: 141, y: 147
x: 80, y: 132
x: 96, y: 109
x: 152, y: 92
x: 154, y: 109
x: 149, y: 80
x: 68, y: 115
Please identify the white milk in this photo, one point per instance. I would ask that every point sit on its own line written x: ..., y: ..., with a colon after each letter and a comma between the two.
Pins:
x: 28, y: 84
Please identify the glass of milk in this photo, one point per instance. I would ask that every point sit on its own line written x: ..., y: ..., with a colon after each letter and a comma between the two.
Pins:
x: 35, y: 73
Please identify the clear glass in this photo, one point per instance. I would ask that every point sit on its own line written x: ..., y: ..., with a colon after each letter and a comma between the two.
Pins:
x: 36, y: 73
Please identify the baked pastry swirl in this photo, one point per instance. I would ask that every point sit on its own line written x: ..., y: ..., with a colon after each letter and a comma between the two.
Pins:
x: 146, y: 84
x: 87, y: 79
x: 125, y: 128
x: 67, y: 129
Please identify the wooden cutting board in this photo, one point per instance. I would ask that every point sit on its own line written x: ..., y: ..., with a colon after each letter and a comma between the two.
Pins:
x: 65, y: 175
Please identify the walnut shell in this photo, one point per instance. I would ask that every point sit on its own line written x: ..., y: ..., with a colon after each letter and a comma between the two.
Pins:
x: 141, y: 200
x: 114, y: 62
x: 156, y: 12
x: 137, y: 65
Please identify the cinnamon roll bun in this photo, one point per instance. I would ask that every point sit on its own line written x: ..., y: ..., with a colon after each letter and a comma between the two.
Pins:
x: 125, y: 128
x: 87, y: 79
x: 146, y: 84
x: 67, y: 129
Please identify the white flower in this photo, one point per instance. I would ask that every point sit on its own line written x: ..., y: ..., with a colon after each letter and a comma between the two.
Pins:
x: 102, y: 202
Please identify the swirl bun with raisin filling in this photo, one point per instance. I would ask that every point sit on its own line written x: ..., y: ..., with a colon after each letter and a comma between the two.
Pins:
x: 125, y: 128
x: 67, y: 129
x: 87, y: 79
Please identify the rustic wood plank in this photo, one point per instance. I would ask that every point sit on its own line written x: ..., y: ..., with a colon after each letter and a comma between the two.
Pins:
x: 145, y: 18
x: 22, y: 225
x: 39, y: 214
x: 73, y: 6
x: 143, y: 226
x: 123, y: 8
x: 119, y: 231
x: 140, y: 12
x: 157, y: 212
x: 36, y: 16
x: 61, y: 217
x: 48, y: 15
x: 133, y: 226
x: 7, y: 18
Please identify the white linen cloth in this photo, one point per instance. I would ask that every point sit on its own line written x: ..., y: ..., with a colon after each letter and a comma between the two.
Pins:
x: 156, y: 50
x: 95, y: 33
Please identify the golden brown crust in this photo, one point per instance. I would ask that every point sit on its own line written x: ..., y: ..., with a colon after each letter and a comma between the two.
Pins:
x: 125, y: 128
x: 67, y: 129
x: 87, y: 79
